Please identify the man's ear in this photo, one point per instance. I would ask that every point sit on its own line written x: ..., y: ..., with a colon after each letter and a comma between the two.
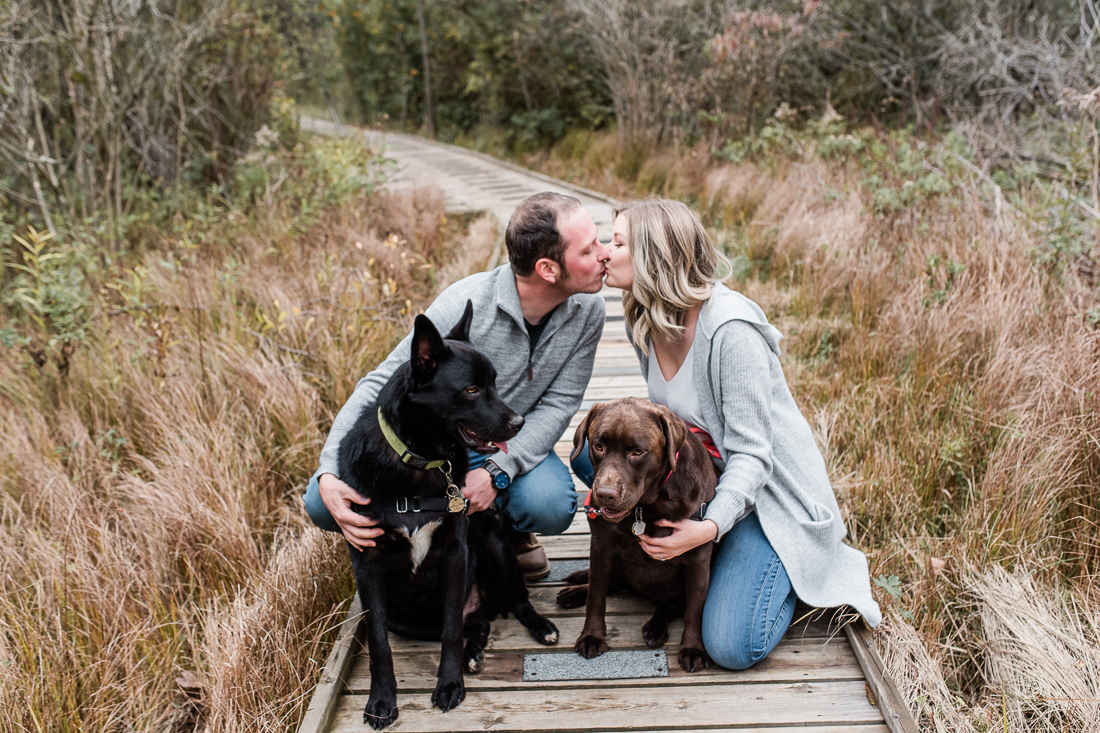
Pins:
x: 461, y: 331
x: 548, y: 270
x: 582, y: 433
x: 675, y: 434
x: 427, y: 348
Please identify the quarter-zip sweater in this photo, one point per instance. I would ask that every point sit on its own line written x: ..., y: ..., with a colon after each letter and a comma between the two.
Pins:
x: 544, y: 384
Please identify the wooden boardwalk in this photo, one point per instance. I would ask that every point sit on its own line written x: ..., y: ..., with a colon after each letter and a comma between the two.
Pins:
x: 819, y: 679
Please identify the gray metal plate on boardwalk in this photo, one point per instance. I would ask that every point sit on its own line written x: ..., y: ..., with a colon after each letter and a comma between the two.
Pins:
x: 561, y: 568
x: 607, y: 666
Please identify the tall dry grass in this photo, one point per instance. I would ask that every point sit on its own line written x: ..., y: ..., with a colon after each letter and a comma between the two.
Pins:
x: 156, y: 568
x: 960, y: 415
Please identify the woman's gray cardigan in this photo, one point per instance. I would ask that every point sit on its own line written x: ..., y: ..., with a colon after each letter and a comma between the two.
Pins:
x: 772, y: 462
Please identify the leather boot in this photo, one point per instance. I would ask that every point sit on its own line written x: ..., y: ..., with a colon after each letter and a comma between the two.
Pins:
x: 531, y: 556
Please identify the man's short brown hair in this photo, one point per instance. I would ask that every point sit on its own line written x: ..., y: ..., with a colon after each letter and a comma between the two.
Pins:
x: 532, y: 231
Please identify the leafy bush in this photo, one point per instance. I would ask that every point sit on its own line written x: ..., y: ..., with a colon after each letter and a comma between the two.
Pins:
x: 48, y: 298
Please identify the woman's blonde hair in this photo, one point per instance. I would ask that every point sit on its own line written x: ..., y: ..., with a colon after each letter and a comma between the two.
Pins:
x: 675, y: 265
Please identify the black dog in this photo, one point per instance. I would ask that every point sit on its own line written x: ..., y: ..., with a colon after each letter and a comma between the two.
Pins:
x: 433, y: 564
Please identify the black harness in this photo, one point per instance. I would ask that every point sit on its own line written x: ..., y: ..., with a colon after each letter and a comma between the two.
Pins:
x: 407, y: 504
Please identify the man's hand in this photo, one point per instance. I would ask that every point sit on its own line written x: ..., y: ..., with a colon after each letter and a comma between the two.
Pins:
x: 479, y: 490
x: 686, y: 535
x: 360, y: 531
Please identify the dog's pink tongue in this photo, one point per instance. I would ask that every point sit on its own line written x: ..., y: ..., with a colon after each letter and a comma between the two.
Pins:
x: 503, y: 445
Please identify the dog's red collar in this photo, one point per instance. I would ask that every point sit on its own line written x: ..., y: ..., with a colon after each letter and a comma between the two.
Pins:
x: 594, y: 512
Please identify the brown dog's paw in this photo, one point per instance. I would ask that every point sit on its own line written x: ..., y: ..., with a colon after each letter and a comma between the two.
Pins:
x: 589, y: 646
x: 693, y: 660
x: 655, y: 632
x: 573, y: 596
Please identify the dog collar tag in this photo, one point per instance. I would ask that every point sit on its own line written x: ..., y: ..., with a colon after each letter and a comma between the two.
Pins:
x: 456, y: 502
x: 638, y: 528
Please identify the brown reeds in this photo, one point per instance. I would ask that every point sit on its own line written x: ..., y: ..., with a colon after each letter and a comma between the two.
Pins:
x: 156, y: 568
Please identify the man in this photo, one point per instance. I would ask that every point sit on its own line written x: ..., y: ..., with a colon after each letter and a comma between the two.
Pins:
x: 538, y: 319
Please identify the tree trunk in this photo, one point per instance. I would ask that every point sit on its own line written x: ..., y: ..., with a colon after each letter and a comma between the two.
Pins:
x: 429, y: 109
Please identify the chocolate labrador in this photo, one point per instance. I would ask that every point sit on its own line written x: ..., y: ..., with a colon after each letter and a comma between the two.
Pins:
x: 649, y: 466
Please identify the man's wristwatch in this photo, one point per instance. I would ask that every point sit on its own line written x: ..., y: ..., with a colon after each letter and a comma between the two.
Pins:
x: 500, y: 479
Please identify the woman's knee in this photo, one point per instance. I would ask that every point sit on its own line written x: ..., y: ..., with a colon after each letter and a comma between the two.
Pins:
x: 739, y: 638
x: 751, y: 601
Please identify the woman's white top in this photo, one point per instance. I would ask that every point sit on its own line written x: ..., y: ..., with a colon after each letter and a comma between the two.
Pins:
x: 680, y: 393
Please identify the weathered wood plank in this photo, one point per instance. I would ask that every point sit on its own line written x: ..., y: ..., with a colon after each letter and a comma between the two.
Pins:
x: 565, y: 546
x: 894, y: 711
x: 635, y: 381
x: 565, y: 709
x: 791, y: 661
x: 326, y: 695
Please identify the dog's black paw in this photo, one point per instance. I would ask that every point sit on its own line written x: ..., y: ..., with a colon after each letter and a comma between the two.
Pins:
x: 655, y: 632
x: 380, y: 713
x: 693, y: 660
x: 573, y: 596
x: 447, y: 695
x: 543, y: 630
x: 589, y: 646
x: 474, y: 663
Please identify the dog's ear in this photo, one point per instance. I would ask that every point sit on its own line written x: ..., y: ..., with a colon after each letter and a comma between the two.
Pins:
x: 582, y: 433
x: 675, y: 435
x: 427, y: 348
x: 461, y: 331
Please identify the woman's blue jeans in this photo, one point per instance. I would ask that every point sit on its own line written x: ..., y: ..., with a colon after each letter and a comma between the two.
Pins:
x: 542, y: 500
x: 750, y: 603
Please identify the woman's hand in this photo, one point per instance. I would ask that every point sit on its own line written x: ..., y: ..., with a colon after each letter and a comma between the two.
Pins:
x: 687, y: 534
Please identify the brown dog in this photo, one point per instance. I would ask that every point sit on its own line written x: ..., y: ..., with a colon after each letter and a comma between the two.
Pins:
x: 648, y: 466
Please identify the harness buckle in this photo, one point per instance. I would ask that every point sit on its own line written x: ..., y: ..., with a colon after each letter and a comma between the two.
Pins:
x: 397, y: 504
x: 416, y: 504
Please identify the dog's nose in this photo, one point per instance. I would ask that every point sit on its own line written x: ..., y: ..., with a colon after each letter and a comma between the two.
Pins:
x: 516, y: 422
x: 605, y: 494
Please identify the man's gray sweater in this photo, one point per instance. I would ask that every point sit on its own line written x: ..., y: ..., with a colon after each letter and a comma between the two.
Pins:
x: 545, y: 384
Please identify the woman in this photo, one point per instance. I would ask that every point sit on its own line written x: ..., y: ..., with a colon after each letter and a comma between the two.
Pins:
x: 709, y: 354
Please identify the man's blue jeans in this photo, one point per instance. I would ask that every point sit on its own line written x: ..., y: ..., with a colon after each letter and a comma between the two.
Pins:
x: 542, y: 500
x: 750, y: 603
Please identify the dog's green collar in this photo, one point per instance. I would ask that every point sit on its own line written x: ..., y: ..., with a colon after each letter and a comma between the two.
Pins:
x: 407, y: 456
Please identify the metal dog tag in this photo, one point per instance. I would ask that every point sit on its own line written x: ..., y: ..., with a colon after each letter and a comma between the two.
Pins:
x: 638, y: 528
x: 456, y: 504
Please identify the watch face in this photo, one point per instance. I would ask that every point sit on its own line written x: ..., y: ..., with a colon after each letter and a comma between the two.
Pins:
x: 501, y: 480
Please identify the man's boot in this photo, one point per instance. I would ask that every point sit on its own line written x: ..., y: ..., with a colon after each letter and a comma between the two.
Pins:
x: 531, y: 556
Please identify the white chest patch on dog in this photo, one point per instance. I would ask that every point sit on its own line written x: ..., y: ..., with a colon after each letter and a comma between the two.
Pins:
x: 420, y: 541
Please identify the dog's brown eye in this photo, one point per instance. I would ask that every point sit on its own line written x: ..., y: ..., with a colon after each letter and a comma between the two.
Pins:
x: 598, y: 447
x: 636, y: 453
x: 472, y: 390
